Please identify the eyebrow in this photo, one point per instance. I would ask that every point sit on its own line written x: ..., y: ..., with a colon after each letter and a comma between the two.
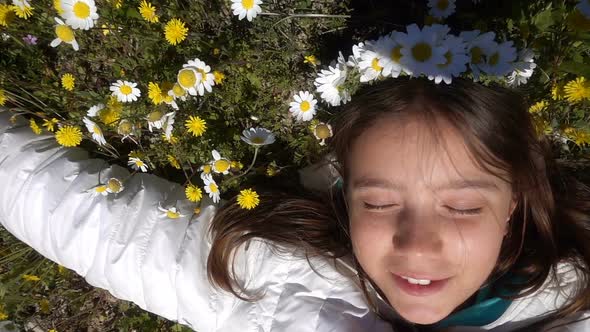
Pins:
x: 368, y: 182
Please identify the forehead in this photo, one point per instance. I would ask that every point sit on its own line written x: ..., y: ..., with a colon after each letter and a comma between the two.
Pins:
x: 410, y: 151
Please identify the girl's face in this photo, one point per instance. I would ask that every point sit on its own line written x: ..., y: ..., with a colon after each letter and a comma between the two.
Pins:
x: 420, y: 208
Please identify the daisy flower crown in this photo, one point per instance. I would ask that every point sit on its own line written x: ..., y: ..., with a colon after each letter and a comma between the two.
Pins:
x: 431, y: 52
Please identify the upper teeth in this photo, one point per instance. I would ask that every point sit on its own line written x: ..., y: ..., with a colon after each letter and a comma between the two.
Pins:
x: 417, y: 281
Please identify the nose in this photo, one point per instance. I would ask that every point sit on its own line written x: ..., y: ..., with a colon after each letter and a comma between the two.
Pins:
x: 418, y: 235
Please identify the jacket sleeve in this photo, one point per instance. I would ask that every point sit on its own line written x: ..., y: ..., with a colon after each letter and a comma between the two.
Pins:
x: 123, y: 244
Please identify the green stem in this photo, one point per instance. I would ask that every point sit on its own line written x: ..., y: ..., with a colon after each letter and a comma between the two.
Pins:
x: 249, y: 167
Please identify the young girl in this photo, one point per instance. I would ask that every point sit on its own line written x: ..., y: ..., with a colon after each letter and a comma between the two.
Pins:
x: 449, y: 215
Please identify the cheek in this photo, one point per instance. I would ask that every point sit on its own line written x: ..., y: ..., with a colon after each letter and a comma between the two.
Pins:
x: 371, y: 241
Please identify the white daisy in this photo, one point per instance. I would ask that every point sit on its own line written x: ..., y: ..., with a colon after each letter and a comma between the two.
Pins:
x: 94, y: 129
x: 205, y: 170
x: 441, y: 8
x: 114, y: 186
x: 478, y: 47
x: 370, y: 64
x: 137, y: 164
x: 92, y: 111
x: 126, y: 128
x: 421, y: 50
x: 322, y: 131
x: 303, y: 108
x: 188, y: 79
x: 177, y: 92
x: 220, y: 165
x: 125, y: 91
x: 211, y: 188
x: 500, y: 61
x: 523, y: 68
x: 79, y: 14
x: 330, y: 83
x: 456, y: 61
x: 64, y: 34
x: 584, y: 7
x: 389, y: 50
x: 355, y: 58
x: 204, y: 78
x: 99, y: 190
x: 168, y: 124
x: 156, y: 119
x: 170, y: 212
x: 246, y: 8
x: 258, y: 136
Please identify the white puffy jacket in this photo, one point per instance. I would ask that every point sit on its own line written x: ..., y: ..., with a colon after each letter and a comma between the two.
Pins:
x: 121, y: 243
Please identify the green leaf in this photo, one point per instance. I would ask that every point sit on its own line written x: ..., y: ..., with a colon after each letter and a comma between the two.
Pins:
x: 576, y: 68
x: 543, y: 20
x: 132, y: 12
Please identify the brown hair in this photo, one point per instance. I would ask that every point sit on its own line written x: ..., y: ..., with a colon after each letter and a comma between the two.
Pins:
x: 551, y: 223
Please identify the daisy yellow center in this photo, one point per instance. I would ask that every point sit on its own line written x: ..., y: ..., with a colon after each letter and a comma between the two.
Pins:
x: 322, y: 131
x: 449, y: 59
x: 207, y: 169
x: 494, y: 59
x: 257, y: 140
x: 114, y: 185
x: 139, y: 163
x: 422, y: 52
x: 248, y: 4
x: 305, y: 106
x: 126, y: 89
x: 178, y: 90
x: 125, y: 128
x: 101, y: 189
x: 375, y: 65
x: 442, y: 4
x: 476, y: 55
x: 154, y: 116
x: 187, y: 78
x: 96, y: 130
x: 81, y: 9
x: 221, y: 165
x: 172, y: 214
x: 396, y: 53
x: 64, y: 33
x: 213, y: 187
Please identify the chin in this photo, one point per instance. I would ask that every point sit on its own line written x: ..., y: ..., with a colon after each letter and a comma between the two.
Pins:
x: 422, y: 315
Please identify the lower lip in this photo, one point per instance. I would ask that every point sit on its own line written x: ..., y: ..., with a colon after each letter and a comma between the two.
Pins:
x: 434, y: 287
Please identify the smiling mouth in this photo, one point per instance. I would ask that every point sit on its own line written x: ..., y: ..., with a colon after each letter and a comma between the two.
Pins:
x: 419, y: 287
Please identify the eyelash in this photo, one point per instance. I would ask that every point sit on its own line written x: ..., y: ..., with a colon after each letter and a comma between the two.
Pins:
x: 452, y: 210
x: 464, y: 212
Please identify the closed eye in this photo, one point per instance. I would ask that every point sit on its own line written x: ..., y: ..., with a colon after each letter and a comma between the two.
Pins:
x: 464, y: 211
x: 378, y: 207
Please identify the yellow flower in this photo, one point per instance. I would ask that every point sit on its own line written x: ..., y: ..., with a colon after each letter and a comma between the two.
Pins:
x: 34, y: 126
x: 248, y: 199
x: 50, y: 124
x: 172, y: 140
x: 44, y: 306
x: 3, y: 315
x: 197, y: 210
x: 175, y: 31
x: 173, y: 161
x: 218, y: 76
x: 30, y: 277
x: 271, y: 170
x: 2, y: 98
x: 6, y: 14
x: 117, y: 3
x: 159, y: 93
x: 193, y: 193
x: 111, y: 114
x: 216, y: 51
x: 195, y: 126
x: 538, y: 106
x: 148, y: 12
x: 57, y: 6
x: 22, y: 8
x: 236, y: 165
x: 69, y: 136
x: 579, y: 137
x: 577, y: 90
x: 557, y: 92
x: 311, y: 59
x: 68, y: 81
